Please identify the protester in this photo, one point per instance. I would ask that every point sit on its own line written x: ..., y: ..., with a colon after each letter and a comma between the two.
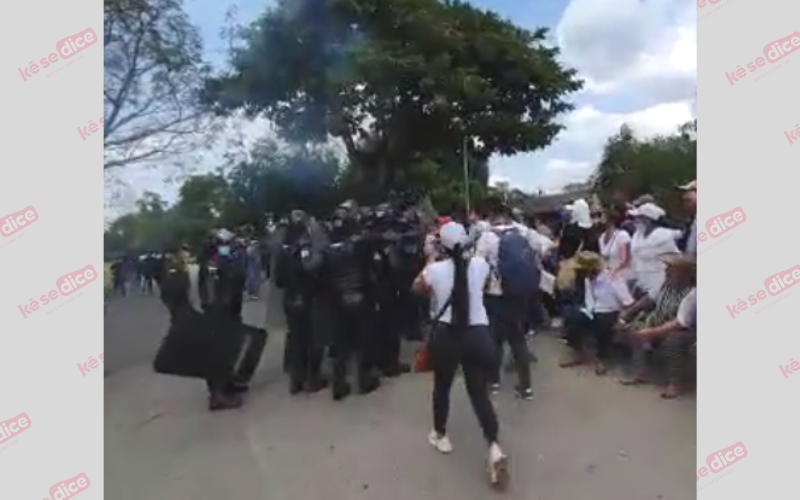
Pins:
x: 649, y: 243
x: 516, y: 274
x: 662, y: 310
x: 604, y: 299
x: 576, y: 234
x: 614, y: 245
x: 461, y: 338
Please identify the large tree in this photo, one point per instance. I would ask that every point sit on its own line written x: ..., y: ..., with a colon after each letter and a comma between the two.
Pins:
x: 396, y: 80
x: 153, y: 73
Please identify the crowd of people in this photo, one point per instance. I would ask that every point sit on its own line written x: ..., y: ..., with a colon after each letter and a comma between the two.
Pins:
x: 616, y: 282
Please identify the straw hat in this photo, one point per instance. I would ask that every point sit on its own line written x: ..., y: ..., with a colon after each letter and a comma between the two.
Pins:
x: 590, y: 261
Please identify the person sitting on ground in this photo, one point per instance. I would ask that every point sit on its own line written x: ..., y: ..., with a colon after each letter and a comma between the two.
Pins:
x: 666, y: 326
x: 604, y: 299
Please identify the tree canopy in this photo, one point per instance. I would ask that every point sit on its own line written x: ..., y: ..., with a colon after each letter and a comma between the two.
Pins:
x: 633, y: 166
x: 399, y: 82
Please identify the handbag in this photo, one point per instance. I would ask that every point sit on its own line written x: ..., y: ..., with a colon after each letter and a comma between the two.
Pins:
x: 422, y: 355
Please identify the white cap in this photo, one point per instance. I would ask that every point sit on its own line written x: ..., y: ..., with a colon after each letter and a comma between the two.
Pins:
x: 648, y: 210
x: 691, y: 186
x: 452, y: 234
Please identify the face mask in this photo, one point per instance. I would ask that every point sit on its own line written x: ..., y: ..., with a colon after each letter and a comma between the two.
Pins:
x: 224, y: 251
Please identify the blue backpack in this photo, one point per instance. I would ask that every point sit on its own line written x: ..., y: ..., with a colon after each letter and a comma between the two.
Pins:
x: 517, y: 264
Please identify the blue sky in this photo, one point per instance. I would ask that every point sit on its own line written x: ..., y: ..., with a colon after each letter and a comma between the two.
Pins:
x: 638, y: 58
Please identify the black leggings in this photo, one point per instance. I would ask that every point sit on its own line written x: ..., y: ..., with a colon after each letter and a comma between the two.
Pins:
x: 474, y: 351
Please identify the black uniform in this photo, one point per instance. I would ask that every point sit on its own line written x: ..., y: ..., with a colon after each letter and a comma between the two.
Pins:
x: 389, y: 310
x: 296, y: 262
x: 347, y: 282
x: 221, y: 287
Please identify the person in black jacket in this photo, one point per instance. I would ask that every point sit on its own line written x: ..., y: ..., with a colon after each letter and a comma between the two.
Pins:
x: 345, y: 274
x: 297, y: 261
x: 221, y: 280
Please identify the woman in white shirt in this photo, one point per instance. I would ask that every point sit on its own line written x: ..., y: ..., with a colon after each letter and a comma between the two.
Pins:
x: 615, y: 245
x: 650, y: 242
x: 604, y: 299
x: 461, y: 338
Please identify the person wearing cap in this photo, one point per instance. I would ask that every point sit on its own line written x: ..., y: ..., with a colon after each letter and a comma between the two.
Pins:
x: 575, y: 236
x: 650, y: 241
x: 665, y: 325
x: 604, y: 299
x: 461, y: 338
x: 690, y: 200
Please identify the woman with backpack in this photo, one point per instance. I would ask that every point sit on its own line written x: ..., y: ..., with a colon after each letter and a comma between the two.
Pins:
x: 460, y: 337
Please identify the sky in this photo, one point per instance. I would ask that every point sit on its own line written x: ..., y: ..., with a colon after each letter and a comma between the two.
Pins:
x: 638, y: 59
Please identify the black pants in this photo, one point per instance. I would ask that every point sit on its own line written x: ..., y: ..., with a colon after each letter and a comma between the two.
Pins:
x: 473, y: 351
x: 302, y: 350
x: 578, y: 328
x: 507, y: 316
x: 352, y: 338
x: 254, y: 342
x: 535, y: 312
x: 387, y: 329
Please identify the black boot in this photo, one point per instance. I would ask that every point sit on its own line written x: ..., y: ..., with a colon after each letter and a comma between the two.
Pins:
x: 315, y: 385
x: 341, y: 390
x: 368, y: 383
x: 224, y: 401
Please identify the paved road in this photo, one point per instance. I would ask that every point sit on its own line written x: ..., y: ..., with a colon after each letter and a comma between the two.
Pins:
x: 583, y: 438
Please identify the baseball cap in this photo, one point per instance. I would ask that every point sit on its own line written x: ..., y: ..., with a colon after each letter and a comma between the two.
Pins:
x: 691, y: 186
x: 648, y: 210
x: 452, y: 234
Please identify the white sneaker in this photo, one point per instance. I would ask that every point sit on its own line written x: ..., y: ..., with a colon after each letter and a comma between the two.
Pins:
x: 498, y: 467
x: 441, y: 443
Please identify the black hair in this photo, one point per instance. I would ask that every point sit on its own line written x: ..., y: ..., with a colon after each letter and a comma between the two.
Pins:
x: 459, y: 305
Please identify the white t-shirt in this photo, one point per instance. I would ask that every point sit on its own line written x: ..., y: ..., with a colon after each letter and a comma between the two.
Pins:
x: 488, y: 247
x: 439, y: 276
x: 613, y: 251
x: 687, y: 311
x: 648, y: 270
x: 606, y: 295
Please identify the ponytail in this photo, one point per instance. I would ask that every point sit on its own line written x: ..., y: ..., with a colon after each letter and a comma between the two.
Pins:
x: 460, y: 301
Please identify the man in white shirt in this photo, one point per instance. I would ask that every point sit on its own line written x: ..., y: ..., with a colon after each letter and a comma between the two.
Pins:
x: 605, y: 297
x: 509, y: 315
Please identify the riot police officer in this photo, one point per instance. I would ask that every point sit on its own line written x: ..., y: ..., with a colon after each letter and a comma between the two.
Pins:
x: 346, y: 280
x: 221, y: 281
x: 383, y: 244
x: 296, y: 262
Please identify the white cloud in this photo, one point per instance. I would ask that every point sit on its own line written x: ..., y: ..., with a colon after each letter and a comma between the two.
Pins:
x: 578, y: 149
x: 648, y: 47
